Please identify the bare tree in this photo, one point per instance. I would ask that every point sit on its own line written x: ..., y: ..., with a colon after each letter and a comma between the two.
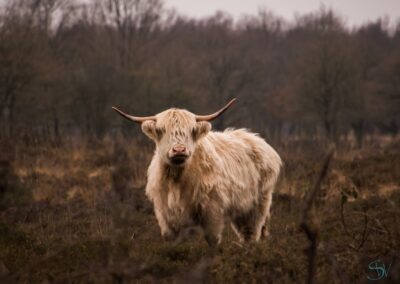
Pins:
x: 222, y: 58
x: 328, y: 74
x: 16, y: 66
x: 134, y: 20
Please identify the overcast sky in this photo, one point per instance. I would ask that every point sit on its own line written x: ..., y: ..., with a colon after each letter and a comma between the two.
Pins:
x: 354, y: 12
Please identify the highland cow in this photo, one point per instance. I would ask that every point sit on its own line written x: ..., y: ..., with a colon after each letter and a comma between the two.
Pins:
x: 198, y: 177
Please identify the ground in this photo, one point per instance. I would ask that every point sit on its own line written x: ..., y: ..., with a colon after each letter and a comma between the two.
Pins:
x: 75, y: 212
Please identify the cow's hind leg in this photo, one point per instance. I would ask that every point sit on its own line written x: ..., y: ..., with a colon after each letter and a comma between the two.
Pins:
x: 265, y: 214
x: 237, y: 231
x: 243, y: 225
x: 251, y: 225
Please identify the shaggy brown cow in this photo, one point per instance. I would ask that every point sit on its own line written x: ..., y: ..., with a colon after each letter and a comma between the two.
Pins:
x: 201, y: 177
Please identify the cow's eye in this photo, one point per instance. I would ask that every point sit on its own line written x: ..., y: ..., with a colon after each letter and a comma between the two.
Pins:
x: 160, y: 132
x: 194, y: 133
x: 201, y: 129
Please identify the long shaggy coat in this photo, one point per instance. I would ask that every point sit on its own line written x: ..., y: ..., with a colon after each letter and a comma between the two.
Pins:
x: 231, y: 175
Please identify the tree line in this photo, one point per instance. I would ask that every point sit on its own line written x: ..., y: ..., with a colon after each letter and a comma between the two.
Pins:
x: 63, y: 64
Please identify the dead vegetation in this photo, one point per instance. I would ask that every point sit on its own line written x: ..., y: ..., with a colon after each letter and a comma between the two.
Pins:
x: 76, y: 212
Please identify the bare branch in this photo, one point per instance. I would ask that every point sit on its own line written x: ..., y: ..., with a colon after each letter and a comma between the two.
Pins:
x: 307, y: 224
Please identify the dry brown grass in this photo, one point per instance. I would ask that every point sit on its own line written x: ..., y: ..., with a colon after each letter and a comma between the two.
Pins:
x: 77, y: 213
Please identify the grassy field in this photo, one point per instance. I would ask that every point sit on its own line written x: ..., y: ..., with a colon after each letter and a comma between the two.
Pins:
x: 76, y: 213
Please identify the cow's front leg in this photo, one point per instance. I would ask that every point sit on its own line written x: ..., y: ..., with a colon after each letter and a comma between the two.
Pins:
x: 167, y: 232
x: 212, y: 222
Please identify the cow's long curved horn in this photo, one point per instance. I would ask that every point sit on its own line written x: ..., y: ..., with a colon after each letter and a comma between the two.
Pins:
x: 216, y: 114
x: 138, y: 119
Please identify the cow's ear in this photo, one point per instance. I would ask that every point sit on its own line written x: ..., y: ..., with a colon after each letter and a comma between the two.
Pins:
x: 201, y: 129
x: 150, y: 129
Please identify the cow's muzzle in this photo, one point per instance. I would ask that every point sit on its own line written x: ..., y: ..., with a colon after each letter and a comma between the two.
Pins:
x: 178, y: 159
x: 178, y: 155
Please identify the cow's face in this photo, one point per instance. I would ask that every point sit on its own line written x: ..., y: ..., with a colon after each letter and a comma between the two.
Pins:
x: 175, y: 133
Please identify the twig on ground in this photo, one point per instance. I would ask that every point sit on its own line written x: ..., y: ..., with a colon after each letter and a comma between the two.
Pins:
x: 363, y: 236
x: 238, y: 244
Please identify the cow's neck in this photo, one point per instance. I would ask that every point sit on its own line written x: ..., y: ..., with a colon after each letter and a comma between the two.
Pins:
x: 173, y: 174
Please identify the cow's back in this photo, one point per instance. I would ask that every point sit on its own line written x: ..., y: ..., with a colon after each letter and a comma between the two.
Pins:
x: 243, y: 165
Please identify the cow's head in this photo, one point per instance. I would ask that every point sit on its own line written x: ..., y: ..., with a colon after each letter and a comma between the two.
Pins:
x: 175, y: 131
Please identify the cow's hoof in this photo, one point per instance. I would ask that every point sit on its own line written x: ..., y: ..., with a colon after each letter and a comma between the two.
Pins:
x: 169, y: 236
